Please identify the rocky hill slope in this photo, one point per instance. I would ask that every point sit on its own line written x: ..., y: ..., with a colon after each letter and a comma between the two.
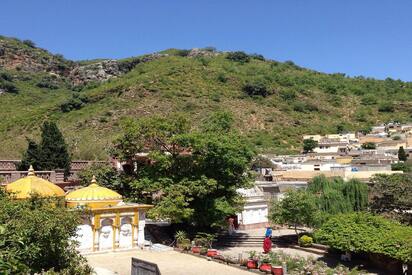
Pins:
x: 273, y: 103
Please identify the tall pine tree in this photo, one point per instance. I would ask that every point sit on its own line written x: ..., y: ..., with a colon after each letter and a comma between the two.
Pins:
x: 51, y: 153
x: 30, y: 157
x: 402, y: 156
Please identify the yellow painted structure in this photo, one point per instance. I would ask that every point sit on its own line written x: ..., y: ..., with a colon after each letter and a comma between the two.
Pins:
x: 25, y: 187
x: 108, y: 218
x: 93, y: 196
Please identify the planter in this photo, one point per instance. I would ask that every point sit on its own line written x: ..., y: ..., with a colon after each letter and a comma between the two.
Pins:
x: 196, y: 249
x: 277, y: 270
x: 211, y: 253
x: 251, y: 264
x: 265, y: 267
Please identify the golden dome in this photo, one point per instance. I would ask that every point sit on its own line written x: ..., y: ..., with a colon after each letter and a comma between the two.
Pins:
x: 93, y: 196
x: 25, y: 187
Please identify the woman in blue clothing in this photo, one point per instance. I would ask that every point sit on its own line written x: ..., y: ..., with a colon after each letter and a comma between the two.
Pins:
x: 268, y: 232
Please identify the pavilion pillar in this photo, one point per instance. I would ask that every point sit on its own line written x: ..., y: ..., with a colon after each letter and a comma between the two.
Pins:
x: 135, y: 228
x: 96, y: 232
x: 116, y: 231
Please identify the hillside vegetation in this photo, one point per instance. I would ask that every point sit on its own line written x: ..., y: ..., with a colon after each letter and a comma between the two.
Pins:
x: 273, y: 103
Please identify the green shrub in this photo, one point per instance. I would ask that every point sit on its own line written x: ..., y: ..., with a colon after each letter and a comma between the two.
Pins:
x: 288, y: 94
x: 401, y: 166
x: 8, y: 87
x: 369, y: 100
x: 182, y: 53
x: 305, y: 241
x: 238, y: 56
x: 49, y: 82
x: 361, y: 232
x: 29, y: 43
x: 257, y: 88
x: 258, y: 57
x: 74, y: 103
x: 369, y: 146
x: 304, y: 107
x: 386, y: 107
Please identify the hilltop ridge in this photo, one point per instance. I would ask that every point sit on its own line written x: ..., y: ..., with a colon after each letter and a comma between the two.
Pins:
x: 273, y: 103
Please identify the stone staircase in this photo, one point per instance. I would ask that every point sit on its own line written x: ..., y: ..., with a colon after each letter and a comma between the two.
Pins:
x: 239, y: 240
x: 245, y: 240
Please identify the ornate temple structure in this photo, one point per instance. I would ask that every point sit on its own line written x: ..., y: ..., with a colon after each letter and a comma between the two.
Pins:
x: 25, y: 187
x: 108, y: 222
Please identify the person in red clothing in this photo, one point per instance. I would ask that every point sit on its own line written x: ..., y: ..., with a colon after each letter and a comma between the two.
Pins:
x: 267, y: 245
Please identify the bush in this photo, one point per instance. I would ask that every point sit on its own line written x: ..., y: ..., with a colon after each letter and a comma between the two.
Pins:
x: 305, y: 241
x: 75, y: 103
x: 304, y: 107
x: 258, y: 57
x: 361, y: 232
x: 36, y: 237
x: 401, y: 166
x: 8, y: 87
x: 288, y: 95
x: 369, y: 100
x: 369, y: 146
x: 182, y: 53
x: 49, y: 82
x: 29, y: 43
x: 6, y: 76
x: 257, y: 88
x: 239, y: 56
x: 386, y: 107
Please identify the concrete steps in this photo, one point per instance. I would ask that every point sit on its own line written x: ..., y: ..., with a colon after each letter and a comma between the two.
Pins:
x: 239, y: 240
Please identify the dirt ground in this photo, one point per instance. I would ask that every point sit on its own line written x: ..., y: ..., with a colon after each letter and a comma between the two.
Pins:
x: 169, y: 262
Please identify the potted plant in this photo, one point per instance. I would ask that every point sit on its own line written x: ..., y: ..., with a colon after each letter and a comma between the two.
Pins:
x: 252, y: 262
x: 182, y: 242
x: 206, y: 240
x: 276, y: 263
x: 265, y: 265
x: 196, y: 248
x: 197, y: 244
x: 203, y: 250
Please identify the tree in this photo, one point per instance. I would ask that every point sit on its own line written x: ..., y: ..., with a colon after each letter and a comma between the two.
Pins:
x: 30, y: 157
x: 37, y: 235
x: 402, y: 156
x: 238, y: 56
x: 334, y: 196
x: 52, y: 152
x: 367, y: 233
x: 297, y: 208
x: 191, y: 177
x: 368, y: 146
x: 309, y: 145
x: 391, y: 195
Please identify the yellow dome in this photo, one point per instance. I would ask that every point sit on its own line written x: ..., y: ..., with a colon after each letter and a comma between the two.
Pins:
x: 25, y: 187
x: 93, y: 196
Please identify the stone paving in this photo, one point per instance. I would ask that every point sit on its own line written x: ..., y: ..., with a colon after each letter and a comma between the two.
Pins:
x: 169, y: 262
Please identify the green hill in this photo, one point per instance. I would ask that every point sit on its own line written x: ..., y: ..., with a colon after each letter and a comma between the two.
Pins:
x: 273, y: 103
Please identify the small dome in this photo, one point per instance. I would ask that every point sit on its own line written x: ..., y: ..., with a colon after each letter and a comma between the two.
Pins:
x: 25, y: 187
x: 93, y: 196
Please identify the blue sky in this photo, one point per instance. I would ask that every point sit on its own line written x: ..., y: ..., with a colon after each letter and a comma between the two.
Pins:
x: 356, y: 37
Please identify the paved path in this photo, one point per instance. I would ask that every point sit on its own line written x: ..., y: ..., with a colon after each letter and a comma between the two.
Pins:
x: 169, y: 262
x: 235, y: 251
